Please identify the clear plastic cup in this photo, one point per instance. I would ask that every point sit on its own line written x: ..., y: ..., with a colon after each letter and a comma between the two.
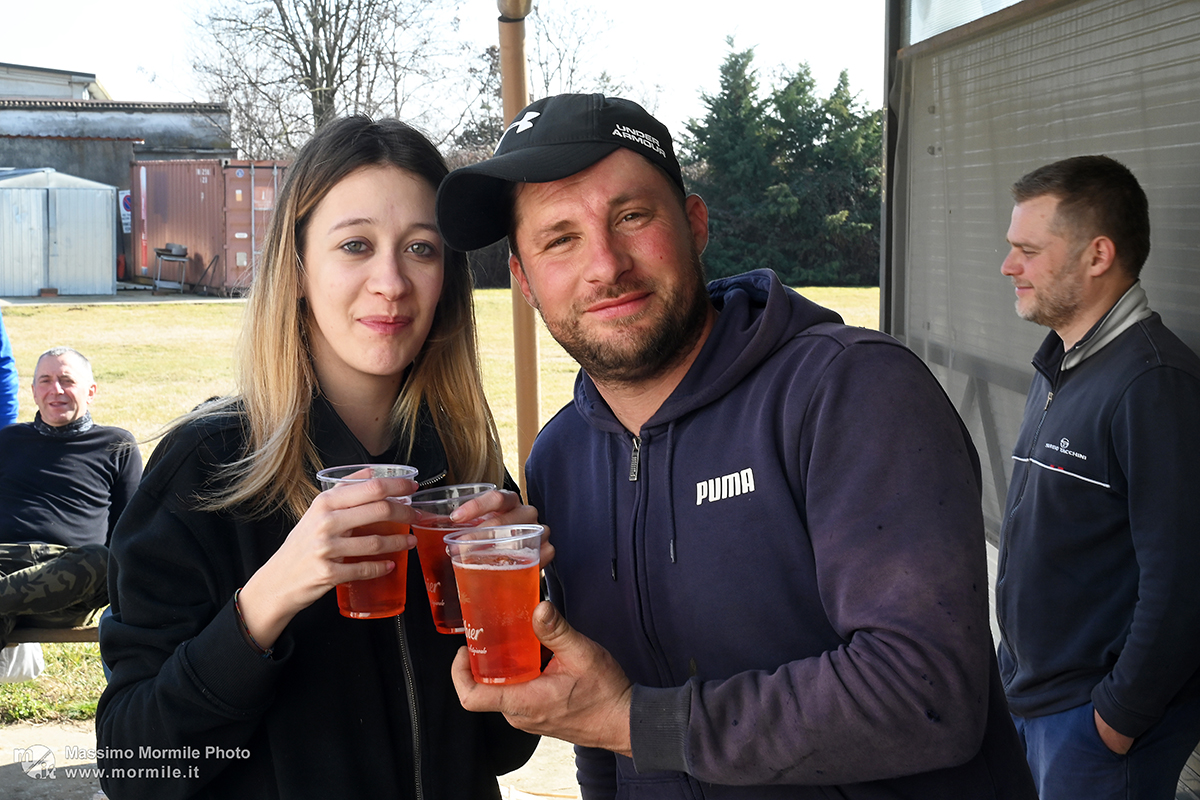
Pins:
x: 498, y: 576
x: 382, y: 596
x: 433, y: 507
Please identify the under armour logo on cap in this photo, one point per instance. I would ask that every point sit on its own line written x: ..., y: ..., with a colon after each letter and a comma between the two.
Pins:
x: 525, y: 122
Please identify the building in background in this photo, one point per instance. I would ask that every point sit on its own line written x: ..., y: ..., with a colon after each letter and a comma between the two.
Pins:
x: 58, y: 234
x: 17, y: 80
x: 67, y: 122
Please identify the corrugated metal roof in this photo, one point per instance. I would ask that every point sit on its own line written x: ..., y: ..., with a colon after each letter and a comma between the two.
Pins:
x: 189, y: 125
x: 35, y: 103
x: 45, y: 178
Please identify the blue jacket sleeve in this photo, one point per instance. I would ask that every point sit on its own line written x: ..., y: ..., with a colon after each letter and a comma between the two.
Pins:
x: 9, y: 383
x: 1156, y: 435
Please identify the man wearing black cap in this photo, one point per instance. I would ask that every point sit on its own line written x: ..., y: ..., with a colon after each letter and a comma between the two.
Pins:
x: 767, y: 524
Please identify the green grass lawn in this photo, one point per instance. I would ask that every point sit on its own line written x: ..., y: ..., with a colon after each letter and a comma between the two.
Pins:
x: 155, y: 361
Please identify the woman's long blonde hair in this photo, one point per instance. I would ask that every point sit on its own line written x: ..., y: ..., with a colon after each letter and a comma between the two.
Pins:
x: 276, y: 379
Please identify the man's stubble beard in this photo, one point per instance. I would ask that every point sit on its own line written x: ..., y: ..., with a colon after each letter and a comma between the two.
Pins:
x: 1058, y: 301
x: 645, y: 354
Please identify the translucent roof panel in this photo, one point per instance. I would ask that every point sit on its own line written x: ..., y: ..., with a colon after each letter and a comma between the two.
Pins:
x: 924, y: 19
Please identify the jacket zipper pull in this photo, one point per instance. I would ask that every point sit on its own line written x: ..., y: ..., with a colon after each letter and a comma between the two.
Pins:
x: 633, y: 460
x: 1049, y: 397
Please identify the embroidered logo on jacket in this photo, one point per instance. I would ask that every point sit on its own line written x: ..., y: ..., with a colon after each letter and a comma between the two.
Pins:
x: 730, y: 485
x: 1064, y: 447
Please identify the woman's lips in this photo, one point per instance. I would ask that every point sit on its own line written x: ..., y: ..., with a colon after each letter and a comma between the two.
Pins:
x: 386, y: 325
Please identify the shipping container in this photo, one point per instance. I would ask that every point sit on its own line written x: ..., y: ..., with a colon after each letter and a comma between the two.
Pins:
x: 217, y: 209
x: 57, y: 232
x: 250, y: 191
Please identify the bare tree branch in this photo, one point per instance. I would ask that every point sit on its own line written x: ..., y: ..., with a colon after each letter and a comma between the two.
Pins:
x: 285, y: 67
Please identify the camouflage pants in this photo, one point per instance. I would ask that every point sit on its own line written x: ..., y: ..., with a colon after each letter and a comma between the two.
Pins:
x: 51, y: 586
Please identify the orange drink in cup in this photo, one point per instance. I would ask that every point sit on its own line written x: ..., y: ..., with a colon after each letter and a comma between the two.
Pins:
x: 498, y: 575
x: 382, y: 596
x: 433, y: 507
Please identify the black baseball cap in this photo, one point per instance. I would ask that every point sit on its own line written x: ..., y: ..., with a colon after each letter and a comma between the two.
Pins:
x: 550, y: 139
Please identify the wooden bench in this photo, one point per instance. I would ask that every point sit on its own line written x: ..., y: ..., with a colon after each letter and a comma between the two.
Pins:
x: 85, y: 633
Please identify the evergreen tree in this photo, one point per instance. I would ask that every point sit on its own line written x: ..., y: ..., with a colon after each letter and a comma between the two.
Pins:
x: 792, y: 182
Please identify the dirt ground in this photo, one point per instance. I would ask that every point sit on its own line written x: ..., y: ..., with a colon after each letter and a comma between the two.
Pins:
x: 549, y: 774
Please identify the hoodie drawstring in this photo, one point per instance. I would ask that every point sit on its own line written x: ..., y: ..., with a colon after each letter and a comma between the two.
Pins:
x: 612, y: 509
x: 671, y: 485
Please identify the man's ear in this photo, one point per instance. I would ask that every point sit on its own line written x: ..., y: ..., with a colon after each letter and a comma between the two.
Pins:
x: 697, y: 214
x: 91, y: 393
x: 1100, y: 255
x: 518, y: 273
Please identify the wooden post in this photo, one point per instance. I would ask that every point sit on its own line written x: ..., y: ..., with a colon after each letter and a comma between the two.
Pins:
x: 514, y: 83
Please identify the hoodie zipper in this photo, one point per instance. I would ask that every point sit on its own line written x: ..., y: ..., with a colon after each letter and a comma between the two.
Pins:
x: 635, y: 458
x: 410, y: 691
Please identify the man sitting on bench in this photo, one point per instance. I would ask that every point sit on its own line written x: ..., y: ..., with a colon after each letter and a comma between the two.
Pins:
x: 64, y: 482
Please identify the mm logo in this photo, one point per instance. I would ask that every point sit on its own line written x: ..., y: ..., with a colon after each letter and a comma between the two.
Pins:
x: 37, y: 761
x: 730, y: 485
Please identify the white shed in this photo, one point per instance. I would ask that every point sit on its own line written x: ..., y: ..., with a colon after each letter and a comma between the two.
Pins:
x: 57, y: 232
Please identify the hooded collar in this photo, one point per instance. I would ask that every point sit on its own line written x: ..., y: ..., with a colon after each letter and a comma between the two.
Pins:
x: 756, y: 315
x: 81, y: 425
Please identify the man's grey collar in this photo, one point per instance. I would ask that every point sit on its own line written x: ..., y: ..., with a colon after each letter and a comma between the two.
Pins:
x: 81, y: 425
x: 1131, y: 309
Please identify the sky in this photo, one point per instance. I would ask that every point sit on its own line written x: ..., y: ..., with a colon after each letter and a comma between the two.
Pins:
x: 141, y: 51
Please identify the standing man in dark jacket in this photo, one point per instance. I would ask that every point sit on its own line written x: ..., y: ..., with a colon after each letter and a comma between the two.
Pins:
x: 1097, y: 593
x: 767, y: 524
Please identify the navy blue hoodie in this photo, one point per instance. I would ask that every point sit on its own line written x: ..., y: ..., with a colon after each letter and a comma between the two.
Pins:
x: 788, y: 561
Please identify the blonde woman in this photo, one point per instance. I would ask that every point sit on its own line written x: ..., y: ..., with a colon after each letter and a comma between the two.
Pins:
x: 234, y: 675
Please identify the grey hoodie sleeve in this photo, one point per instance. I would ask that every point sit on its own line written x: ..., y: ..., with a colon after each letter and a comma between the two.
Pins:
x: 892, y: 502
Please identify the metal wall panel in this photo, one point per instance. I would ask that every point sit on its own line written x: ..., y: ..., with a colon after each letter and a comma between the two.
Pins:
x: 82, y: 256
x: 974, y: 112
x: 974, y: 109
x: 219, y: 210
x: 22, y: 241
x: 178, y: 202
x: 250, y: 191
